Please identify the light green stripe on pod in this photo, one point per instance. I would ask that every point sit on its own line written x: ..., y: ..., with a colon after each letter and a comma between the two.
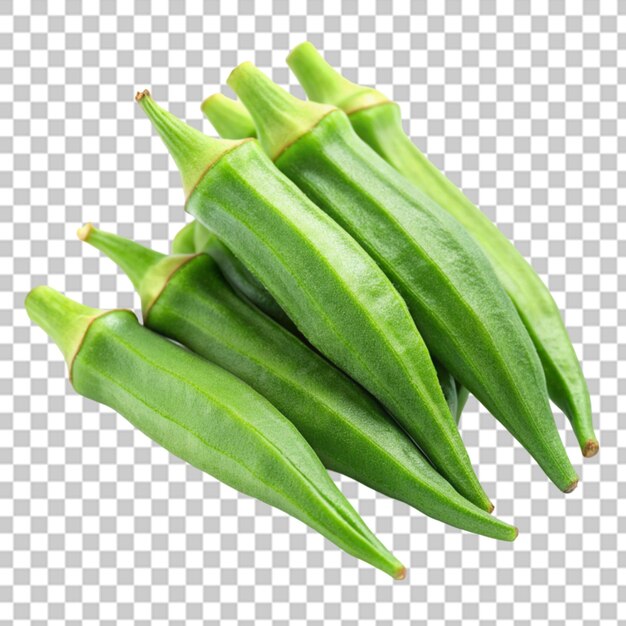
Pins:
x: 221, y: 111
x: 461, y: 310
x: 377, y: 121
x: 240, y: 278
x: 206, y: 416
x: 330, y: 287
x: 346, y: 427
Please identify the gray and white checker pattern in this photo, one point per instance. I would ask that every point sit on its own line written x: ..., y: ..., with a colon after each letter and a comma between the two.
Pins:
x: 521, y: 103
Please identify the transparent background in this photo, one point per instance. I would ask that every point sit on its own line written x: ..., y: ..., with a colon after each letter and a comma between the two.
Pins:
x: 524, y: 109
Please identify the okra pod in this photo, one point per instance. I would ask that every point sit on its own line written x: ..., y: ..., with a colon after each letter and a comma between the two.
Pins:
x: 345, y: 426
x: 239, y: 276
x: 323, y: 279
x: 202, y: 414
x: 233, y: 121
x: 460, y: 308
x: 194, y: 237
x: 229, y: 117
x: 377, y: 121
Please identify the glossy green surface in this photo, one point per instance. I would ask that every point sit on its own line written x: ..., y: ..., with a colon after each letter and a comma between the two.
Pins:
x: 214, y: 421
x: 377, y: 121
x: 336, y: 295
x: 381, y: 128
x: 233, y: 121
x: 346, y: 427
x: 460, y: 308
x: 229, y: 117
x: 239, y: 277
x: 328, y: 285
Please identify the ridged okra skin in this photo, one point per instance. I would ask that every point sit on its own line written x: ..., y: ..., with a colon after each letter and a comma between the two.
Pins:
x: 345, y: 426
x: 381, y: 128
x: 194, y: 237
x: 377, y: 121
x: 232, y: 121
x: 461, y: 310
x: 209, y: 418
x: 336, y: 295
x: 239, y: 276
x: 323, y: 279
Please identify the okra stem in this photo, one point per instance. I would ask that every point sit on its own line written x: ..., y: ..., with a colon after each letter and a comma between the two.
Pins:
x: 229, y: 117
x: 286, y: 122
x: 52, y: 310
x: 192, y: 151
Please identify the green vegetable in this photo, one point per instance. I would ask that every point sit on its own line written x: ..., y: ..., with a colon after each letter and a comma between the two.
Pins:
x: 202, y: 414
x: 184, y: 240
x: 345, y: 426
x: 462, y: 395
x: 328, y: 285
x: 234, y: 122
x: 229, y: 117
x: 377, y: 121
x: 239, y: 277
x: 461, y: 310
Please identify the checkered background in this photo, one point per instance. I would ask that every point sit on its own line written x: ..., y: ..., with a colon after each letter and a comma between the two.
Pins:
x: 524, y: 110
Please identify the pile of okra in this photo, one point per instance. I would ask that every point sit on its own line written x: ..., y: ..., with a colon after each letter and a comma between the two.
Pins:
x: 330, y: 306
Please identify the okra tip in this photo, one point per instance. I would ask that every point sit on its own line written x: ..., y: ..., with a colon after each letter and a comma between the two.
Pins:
x: 591, y: 448
x: 571, y: 486
x: 140, y: 95
x: 229, y: 117
x: 400, y: 573
x: 193, y: 152
x: 84, y: 231
x: 280, y: 118
x: 323, y: 83
x: 63, y: 319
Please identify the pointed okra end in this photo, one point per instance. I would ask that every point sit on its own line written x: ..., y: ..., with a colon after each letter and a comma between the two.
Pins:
x: 280, y: 118
x: 322, y: 83
x: 64, y: 320
x: 148, y: 270
x: 193, y: 151
x: 590, y: 448
x: 229, y: 117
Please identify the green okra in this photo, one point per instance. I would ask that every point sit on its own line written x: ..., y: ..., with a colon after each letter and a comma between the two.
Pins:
x: 460, y: 308
x: 229, y: 117
x: 346, y: 427
x: 377, y: 121
x: 202, y: 414
x: 323, y: 279
x: 462, y: 395
x: 194, y: 237
x: 240, y: 278
x: 184, y: 240
x: 233, y: 121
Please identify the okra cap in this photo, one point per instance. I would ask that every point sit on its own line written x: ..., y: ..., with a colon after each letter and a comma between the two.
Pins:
x: 280, y: 118
x: 64, y: 320
x: 149, y: 270
x: 229, y: 117
x: 194, y: 152
x: 322, y: 83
